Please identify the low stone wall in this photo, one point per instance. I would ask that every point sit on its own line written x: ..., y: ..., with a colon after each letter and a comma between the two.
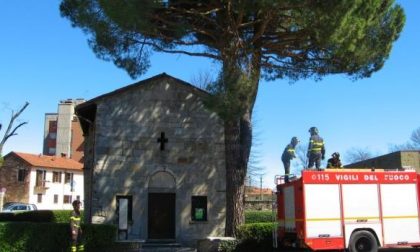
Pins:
x: 211, y: 244
x: 258, y: 205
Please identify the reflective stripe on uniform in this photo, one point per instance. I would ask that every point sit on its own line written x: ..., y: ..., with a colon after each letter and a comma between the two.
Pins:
x: 291, y: 150
x: 316, y: 146
x: 74, y: 218
x: 73, y: 249
x: 81, y: 248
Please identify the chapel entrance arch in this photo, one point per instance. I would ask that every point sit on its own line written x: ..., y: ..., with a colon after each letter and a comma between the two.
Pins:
x: 161, y: 206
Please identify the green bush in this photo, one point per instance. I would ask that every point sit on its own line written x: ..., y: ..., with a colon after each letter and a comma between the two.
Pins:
x: 51, y: 216
x: 256, y: 231
x: 40, y: 237
x: 99, y: 237
x: 7, y: 217
x: 34, y: 216
x: 258, y: 216
x: 24, y: 236
x: 255, y: 237
x: 227, y: 246
x: 63, y: 216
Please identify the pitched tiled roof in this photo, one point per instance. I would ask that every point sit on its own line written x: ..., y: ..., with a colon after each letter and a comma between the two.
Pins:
x: 48, y: 161
x: 256, y: 190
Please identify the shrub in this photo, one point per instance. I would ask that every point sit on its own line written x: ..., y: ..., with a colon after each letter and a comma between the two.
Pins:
x: 227, y: 246
x: 6, y: 217
x: 255, y: 237
x: 23, y: 236
x: 51, y: 216
x: 256, y: 231
x: 26, y: 236
x: 99, y: 237
x: 258, y: 216
x: 63, y: 216
x: 34, y: 216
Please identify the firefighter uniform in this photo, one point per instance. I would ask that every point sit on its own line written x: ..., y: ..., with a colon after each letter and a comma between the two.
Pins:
x: 316, y: 149
x: 289, y: 154
x: 76, y: 231
x: 335, y: 161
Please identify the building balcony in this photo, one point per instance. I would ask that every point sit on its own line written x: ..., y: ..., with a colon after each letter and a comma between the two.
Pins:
x: 41, y: 188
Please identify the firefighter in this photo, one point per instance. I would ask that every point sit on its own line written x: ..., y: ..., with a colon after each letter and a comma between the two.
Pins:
x: 76, y: 230
x: 316, y: 149
x: 289, y: 154
x: 334, y: 161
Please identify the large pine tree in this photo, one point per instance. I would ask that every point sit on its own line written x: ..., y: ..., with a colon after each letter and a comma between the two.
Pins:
x: 252, y: 39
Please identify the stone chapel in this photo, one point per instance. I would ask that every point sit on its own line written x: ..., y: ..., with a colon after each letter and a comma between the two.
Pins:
x: 154, y: 162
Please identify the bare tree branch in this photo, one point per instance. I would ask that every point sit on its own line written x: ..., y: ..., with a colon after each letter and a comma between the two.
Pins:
x: 358, y: 154
x: 10, y: 131
x: 13, y: 133
x: 412, y: 144
x: 203, y: 79
x: 415, y: 137
x: 302, y: 159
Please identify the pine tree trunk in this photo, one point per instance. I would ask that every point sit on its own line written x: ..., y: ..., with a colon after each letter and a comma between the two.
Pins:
x: 238, y: 136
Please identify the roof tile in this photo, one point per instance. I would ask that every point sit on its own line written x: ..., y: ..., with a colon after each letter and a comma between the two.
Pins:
x: 49, y: 161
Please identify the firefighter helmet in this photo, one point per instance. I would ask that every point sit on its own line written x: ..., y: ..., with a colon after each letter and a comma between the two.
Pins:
x: 313, y: 130
x: 294, y: 141
x: 336, y: 155
x: 76, y: 202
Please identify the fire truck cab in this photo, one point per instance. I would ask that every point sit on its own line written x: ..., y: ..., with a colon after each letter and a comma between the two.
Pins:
x: 359, y: 210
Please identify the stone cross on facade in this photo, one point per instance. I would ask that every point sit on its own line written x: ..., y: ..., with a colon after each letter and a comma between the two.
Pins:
x: 162, y: 140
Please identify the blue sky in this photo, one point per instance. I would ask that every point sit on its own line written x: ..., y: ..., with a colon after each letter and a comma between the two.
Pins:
x: 44, y: 60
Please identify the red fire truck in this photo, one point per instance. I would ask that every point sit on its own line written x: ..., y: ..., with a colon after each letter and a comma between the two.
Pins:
x: 358, y: 210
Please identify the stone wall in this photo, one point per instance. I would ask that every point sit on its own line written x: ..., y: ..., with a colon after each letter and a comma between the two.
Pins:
x: 127, y: 154
x: 16, y: 191
x: 260, y: 205
x: 411, y: 159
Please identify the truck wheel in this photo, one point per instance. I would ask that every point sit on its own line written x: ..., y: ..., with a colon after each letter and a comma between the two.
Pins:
x: 363, y: 241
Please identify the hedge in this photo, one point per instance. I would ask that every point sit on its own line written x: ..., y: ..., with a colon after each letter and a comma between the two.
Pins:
x: 256, y: 232
x: 54, y: 237
x: 258, y: 216
x: 251, y: 237
x: 50, y: 216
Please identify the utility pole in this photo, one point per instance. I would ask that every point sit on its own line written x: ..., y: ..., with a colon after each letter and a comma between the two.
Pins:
x: 261, y: 187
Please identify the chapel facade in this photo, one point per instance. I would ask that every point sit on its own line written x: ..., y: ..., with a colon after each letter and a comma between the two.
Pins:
x: 155, y: 162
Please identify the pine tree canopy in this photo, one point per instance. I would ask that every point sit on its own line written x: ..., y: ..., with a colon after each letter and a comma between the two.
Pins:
x: 285, y: 39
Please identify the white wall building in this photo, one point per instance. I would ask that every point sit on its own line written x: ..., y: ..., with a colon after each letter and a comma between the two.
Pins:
x: 49, y: 182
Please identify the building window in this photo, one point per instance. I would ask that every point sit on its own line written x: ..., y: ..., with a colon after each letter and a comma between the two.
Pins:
x: 199, y: 208
x: 21, y: 175
x: 56, y: 177
x: 51, y: 151
x: 55, y: 198
x: 68, y: 177
x: 39, y: 198
x: 67, y: 199
x: 53, y: 126
x: 53, y: 135
x: 40, y: 177
x: 124, y: 209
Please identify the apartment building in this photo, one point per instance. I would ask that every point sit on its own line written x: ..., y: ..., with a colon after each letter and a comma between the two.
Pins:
x: 63, y: 135
x: 49, y: 182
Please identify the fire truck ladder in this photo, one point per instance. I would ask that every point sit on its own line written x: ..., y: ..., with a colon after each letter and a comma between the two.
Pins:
x: 274, y: 217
